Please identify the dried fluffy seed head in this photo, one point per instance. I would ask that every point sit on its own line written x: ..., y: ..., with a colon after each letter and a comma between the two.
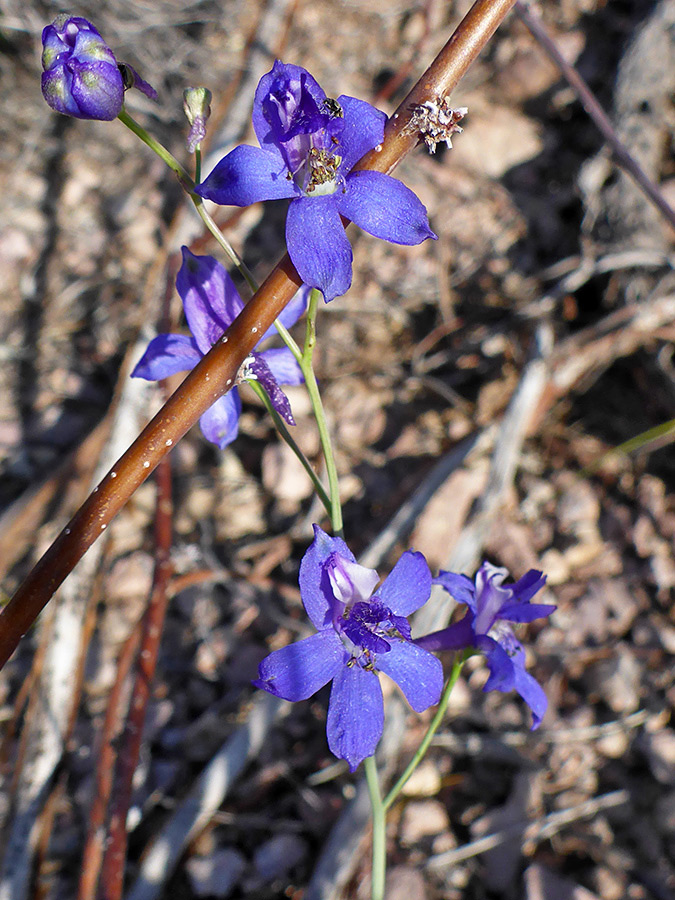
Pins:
x: 436, y: 121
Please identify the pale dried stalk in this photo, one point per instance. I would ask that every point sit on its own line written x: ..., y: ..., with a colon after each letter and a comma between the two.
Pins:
x: 48, y: 728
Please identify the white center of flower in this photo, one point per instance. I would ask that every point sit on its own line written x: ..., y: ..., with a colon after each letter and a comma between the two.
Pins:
x: 321, y: 169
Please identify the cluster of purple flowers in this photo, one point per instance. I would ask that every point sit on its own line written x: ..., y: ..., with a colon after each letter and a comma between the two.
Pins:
x: 309, y: 147
x: 362, y: 629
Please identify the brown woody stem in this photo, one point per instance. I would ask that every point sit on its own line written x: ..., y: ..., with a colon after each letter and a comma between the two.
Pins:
x: 216, y: 372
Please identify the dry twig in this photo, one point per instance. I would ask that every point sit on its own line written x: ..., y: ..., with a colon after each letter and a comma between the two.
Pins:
x: 539, y: 830
x: 621, y: 152
x: 46, y: 736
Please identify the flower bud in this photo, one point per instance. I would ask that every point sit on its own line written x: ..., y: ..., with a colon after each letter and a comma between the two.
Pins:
x: 81, y: 77
x: 197, y: 110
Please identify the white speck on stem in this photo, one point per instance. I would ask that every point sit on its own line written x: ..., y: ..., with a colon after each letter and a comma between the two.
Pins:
x: 103, y: 527
x: 229, y: 381
x: 146, y: 464
x: 254, y: 330
x: 378, y: 149
x: 168, y: 442
x: 113, y: 474
x: 66, y: 531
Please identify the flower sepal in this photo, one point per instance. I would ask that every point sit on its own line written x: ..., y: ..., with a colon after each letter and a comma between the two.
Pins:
x: 211, y: 303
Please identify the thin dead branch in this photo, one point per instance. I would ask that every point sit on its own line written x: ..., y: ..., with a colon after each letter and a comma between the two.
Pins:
x: 112, y: 868
x: 536, y: 831
x: 46, y: 735
x: 624, y: 158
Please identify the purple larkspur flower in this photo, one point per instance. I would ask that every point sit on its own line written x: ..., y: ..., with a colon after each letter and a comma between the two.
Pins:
x: 491, y: 606
x: 361, y: 630
x: 211, y: 304
x: 309, y: 145
x: 81, y: 76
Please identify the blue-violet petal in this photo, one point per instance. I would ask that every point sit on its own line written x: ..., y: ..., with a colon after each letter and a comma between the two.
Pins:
x: 315, y: 587
x: 220, y: 423
x: 363, y: 130
x: 166, y: 355
x: 419, y: 674
x: 408, y: 585
x: 247, y: 175
x: 210, y: 299
x: 318, y: 245
x: 355, y: 714
x: 385, y: 208
x: 283, y: 365
x: 299, y: 670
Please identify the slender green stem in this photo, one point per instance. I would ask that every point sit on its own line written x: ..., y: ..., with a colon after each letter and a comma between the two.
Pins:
x: 324, y: 437
x: 189, y: 186
x: 229, y: 250
x: 304, y: 357
x: 305, y: 362
x: 657, y: 436
x: 198, y: 164
x: 158, y: 148
x: 310, y: 325
x: 288, y: 340
x: 431, y: 731
x: 379, y: 830
x: 290, y: 440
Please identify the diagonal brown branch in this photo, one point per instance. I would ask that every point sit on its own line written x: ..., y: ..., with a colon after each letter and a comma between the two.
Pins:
x: 216, y: 373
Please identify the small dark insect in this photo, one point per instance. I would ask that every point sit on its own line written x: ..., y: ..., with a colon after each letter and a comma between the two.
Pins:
x: 127, y: 76
x: 333, y: 108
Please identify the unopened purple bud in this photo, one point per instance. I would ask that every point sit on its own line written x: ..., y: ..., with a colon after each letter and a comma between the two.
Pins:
x: 81, y: 77
x: 196, y: 103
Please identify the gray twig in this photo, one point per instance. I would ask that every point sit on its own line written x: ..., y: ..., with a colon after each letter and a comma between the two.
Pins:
x: 205, y: 797
x: 624, y: 158
x: 538, y: 830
